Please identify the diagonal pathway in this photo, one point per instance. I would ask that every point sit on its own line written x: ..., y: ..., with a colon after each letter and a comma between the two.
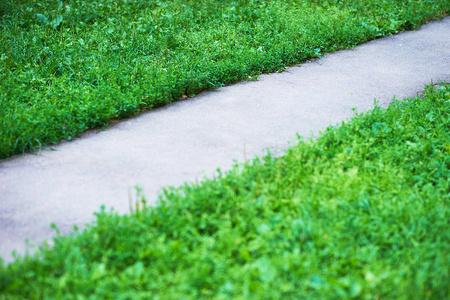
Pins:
x: 189, y: 139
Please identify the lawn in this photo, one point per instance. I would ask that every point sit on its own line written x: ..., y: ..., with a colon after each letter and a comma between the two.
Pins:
x: 361, y: 212
x: 67, y: 66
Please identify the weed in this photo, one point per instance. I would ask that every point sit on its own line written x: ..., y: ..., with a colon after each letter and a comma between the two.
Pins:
x: 360, y: 212
x: 67, y: 66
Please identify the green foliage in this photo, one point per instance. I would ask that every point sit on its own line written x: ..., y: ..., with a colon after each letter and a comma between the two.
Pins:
x: 66, y: 66
x: 362, y: 212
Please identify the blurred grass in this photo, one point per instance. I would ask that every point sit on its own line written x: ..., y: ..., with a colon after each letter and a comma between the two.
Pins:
x: 66, y: 66
x: 362, y: 212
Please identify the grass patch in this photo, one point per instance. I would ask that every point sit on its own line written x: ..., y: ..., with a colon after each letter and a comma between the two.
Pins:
x: 66, y: 66
x: 361, y: 212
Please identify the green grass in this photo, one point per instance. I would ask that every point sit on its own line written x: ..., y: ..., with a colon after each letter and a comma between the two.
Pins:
x: 67, y: 66
x: 361, y: 212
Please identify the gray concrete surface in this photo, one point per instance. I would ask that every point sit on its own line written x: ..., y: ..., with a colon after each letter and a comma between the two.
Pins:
x: 189, y: 139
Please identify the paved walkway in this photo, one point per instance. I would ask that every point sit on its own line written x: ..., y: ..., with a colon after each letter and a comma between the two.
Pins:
x: 189, y: 139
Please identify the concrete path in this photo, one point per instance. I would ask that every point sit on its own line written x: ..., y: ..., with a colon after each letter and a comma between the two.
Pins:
x: 189, y: 139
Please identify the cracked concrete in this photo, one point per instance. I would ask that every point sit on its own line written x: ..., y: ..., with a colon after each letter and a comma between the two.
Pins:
x: 189, y: 139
